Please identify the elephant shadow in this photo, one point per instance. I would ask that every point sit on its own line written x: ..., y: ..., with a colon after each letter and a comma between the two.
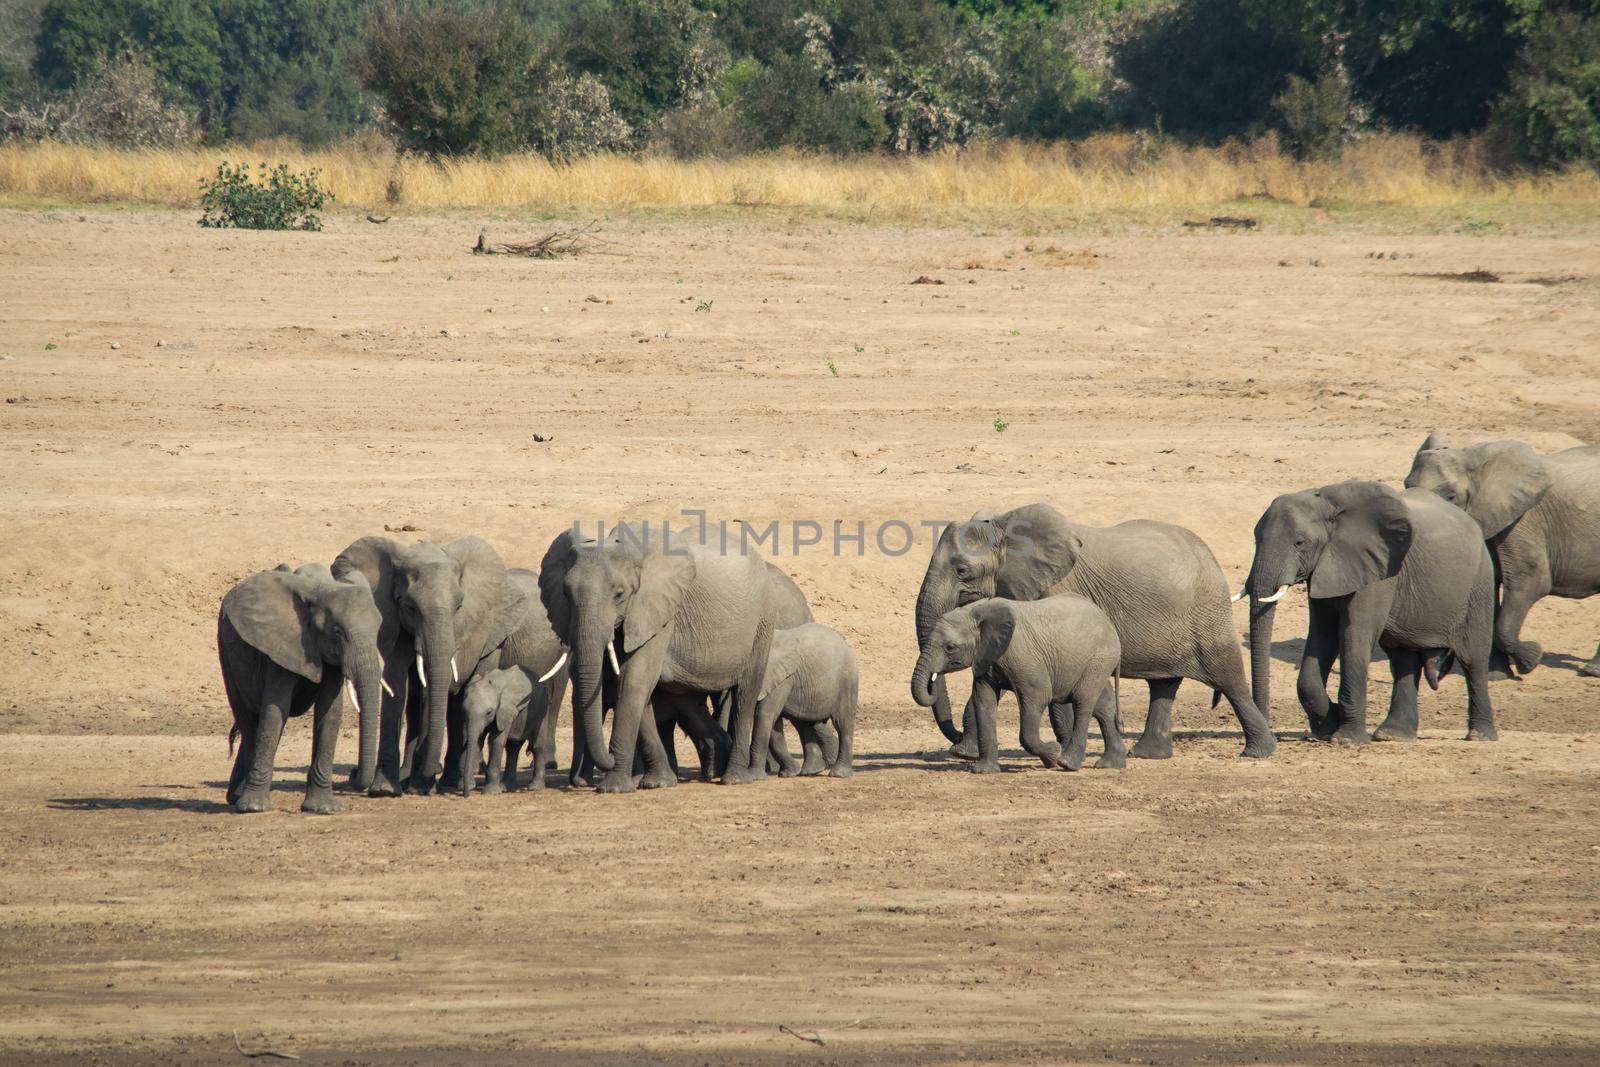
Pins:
x: 195, y: 805
x: 925, y: 760
x: 1562, y: 661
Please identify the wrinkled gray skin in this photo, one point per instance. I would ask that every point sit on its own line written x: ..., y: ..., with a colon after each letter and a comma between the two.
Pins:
x: 821, y: 744
x: 445, y: 607
x: 1404, y: 570
x: 502, y: 706
x: 289, y: 641
x: 533, y: 647
x: 1159, y: 584
x: 1541, y: 517
x: 812, y: 678
x: 684, y: 620
x: 1059, y: 653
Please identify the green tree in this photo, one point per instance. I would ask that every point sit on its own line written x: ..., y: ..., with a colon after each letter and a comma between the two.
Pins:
x: 650, y: 54
x: 179, y: 38
x: 1552, y: 110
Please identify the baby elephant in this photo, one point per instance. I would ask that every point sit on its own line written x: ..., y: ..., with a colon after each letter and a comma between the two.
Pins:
x: 811, y: 679
x: 1058, y: 652
x: 507, y: 705
x: 289, y: 641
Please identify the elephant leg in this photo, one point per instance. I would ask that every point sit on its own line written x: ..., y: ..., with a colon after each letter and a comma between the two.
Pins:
x: 1156, y: 741
x: 1405, y: 667
x: 456, y: 750
x: 968, y: 748
x: 711, y: 741
x: 391, y: 713
x: 326, y: 715
x: 416, y: 733
x: 275, y: 698
x: 513, y: 750
x: 828, y: 737
x: 1115, y: 756
x: 766, y: 725
x: 1361, y: 623
x: 1225, y: 673
x: 1592, y: 668
x: 492, y: 780
x: 1076, y: 748
x: 1031, y: 707
x: 980, y: 710
x: 1480, y: 712
x: 816, y: 757
x: 658, y: 772
x: 842, y: 765
x: 724, y: 703
x: 1322, y: 648
x: 244, y: 756
x: 1522, y: 586
x: 779, y: 761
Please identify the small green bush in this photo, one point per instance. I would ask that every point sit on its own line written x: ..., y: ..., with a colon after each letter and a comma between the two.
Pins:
x: 1552, y: 113
x: 278, y: 199
x: 1313, y: 115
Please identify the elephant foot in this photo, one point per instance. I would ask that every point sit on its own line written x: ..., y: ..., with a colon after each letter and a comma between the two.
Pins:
x: 616, y: 780
x: 1260, y: 747
x: 1148, y: 747
x: 661, y: 778
x: 1111, y: 761
x: 1485, y: 732
x: 449, y: 783
x: 1591, y: 669
x: 991, y: 766
x: 966, y: 748
x: 841, y: 770
x: 1322, y: 728
x: 382, y: 787
x: 1048, y: 753
x: 1525, y: 655
x: 740, y: 775
x: 1389, y: 730
x: 252, y: 801
x: 491, y: 789
x: 321, y: 802
x: 1350, y: 735
x: 421, y: 787
x: 812, y: 768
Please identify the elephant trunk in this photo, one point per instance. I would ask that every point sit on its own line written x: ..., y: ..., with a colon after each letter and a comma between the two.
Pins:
x: 1264, y: 590
x: 439, y: 648
x: 927, y: 681
x: 588, y: 667
x: 364, y: 674
x: 936, y: 597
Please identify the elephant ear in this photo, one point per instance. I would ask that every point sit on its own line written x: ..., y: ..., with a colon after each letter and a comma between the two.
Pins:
x: 516, y: 691
x: 373, y: 559
x: 1039, y: 549
x: 1433, y: 442
x: 491, y: 604
x: 782, y: 662
x: 997, y: 623
x: 1509, y: 477
x: 663, y: 580
x: 271, y: 612
x: 1369, y: 536
x: 553, y: 569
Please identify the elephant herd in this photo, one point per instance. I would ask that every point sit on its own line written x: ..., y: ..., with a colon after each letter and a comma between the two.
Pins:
x: 443, y: 649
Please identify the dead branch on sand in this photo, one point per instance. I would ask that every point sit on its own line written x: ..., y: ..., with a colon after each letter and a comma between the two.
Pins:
x: 550, y: 246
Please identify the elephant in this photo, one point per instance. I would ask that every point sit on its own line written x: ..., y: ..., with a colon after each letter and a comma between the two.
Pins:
x: 812, y: 677
x: 1159, y: 584
x: 506, y: 705
x: 289, y: 641
x: 1404, y: 570
x: 446, y: 606
x: 1060, y: 652
x: 1541, y: 517
x: 532, y: 646
x: 694, y: 621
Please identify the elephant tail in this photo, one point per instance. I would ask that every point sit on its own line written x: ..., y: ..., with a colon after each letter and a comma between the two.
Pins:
x: 233, y: 735
x: 1216, y: 697
x: 1436, y: 665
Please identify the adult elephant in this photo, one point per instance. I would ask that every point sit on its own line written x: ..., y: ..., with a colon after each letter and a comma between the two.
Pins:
x: 289, y: 641
x: 445, y: 606
x: 1540, y: 516
x: 693, y: 621
x: 1159, y: 584
x: 1406, y: 571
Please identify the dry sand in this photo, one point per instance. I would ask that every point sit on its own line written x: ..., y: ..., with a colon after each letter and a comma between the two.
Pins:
x: 1437, y: 902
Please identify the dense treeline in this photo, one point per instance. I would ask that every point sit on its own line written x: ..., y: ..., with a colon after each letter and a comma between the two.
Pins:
x: 723, y: 77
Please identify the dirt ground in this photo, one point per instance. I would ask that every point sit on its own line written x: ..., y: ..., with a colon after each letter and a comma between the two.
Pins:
x: 183, y: 407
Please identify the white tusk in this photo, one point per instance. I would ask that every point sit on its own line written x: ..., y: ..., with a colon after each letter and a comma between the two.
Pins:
x: 386, y: 687
x: 1235, y: 598
x: 422, y: 671
x: 551, y: 673
x: 350, y: 690
x: 383, y: 668
x: 1275, y: 597
x: 611, y: 650
x: 933, y: 679
x: 455, y: 679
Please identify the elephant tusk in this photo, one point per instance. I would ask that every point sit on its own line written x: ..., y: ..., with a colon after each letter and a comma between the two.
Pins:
x: 422, y: 671
x: 611, y: 650
x: 350, y: 691
x: 455, y: 679
x: 551, y: 673
x: 387, y: 688
x: 933, y: 679
x: 1275, y: 597
x: 383, y: 669
x: 1235, y: 598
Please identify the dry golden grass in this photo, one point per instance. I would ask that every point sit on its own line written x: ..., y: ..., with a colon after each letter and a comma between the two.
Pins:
x: 1111, y: 171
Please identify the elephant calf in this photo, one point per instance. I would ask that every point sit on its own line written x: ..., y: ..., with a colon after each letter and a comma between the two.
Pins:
x: 1058, y: 652
x: 812, y: 678
x: 288, y: 641
x: 505, y: 705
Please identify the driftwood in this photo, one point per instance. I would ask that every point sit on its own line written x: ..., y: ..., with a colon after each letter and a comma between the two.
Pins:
x: 550, y: 246
x: 1223, y: 222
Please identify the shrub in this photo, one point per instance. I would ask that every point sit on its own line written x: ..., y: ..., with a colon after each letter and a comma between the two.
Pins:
x: 1551, y: 115
x: 278, y: 199
x: 1313, y: 115
x: 452, y: 79
x: 652, y: 55
x: 120, y: 104
x: 572, y: 116
x: 788, y: 103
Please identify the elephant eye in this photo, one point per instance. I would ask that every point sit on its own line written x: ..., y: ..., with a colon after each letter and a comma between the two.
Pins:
x: 951, y: 647
x: 619, y: 594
